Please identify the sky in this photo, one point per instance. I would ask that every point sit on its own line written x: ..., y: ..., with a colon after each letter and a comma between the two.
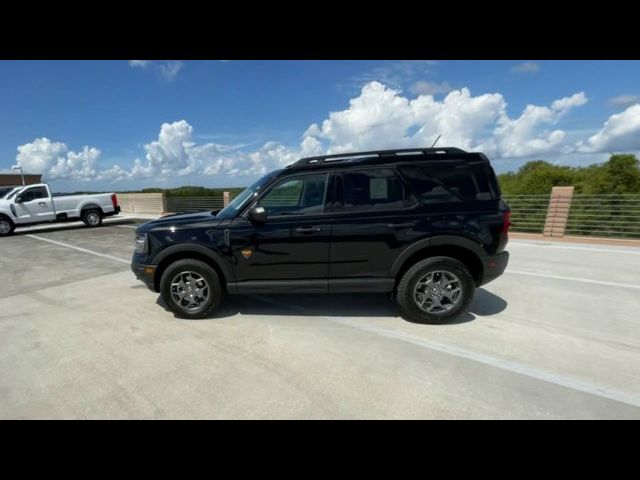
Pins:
x: 130, y: 124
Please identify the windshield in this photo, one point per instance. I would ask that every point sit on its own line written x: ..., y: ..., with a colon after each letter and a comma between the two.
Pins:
x: 10, y: 193
x: 247, y: 194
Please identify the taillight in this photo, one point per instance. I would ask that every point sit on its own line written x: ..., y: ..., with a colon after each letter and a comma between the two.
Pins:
x: 114, y: 200
x: 506, y: 222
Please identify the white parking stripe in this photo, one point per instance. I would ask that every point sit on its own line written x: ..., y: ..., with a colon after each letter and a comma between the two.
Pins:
x: 508, y: 365
x: 624, y: 249
x: 80, y: 249
x: 537, y: 373
x: 572, y: 279
x: 127, y: 226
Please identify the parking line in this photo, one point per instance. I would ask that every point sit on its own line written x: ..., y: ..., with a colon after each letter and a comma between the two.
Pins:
x: 571, y: 247
x: 519, y: 368
x: 508, y: 365
x: 126, y: 226
x: 573, y: 279
x: 79, y: 249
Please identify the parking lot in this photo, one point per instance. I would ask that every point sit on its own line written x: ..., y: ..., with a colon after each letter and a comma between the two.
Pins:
x: 557, y: 336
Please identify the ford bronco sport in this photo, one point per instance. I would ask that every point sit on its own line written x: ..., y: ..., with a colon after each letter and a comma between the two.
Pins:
x: 425, y: 225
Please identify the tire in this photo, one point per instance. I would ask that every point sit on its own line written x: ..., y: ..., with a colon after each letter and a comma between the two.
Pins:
x: 195, y: 275
x: 92, y: 218
x: 6, y: 227
x: 438, y: 277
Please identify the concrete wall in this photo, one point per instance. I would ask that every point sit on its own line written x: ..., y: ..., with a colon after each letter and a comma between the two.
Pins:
x: 11, y: 179
x: 147, y: 203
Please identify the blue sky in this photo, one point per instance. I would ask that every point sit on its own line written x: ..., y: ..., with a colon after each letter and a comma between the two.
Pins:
x: 131, y: 124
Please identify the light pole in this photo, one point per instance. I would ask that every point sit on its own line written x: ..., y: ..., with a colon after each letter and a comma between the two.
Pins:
x: 18, y: 167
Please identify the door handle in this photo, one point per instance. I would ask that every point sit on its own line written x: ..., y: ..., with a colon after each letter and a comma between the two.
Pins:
x: 307, y: 229
x: 402, y: 225
x: 42, y: 204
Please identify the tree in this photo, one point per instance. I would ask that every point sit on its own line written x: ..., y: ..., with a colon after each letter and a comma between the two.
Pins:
x: 619, y: 174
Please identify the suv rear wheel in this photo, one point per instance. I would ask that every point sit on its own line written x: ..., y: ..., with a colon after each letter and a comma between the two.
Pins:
x: 191, y: 288
x: 435, y: 290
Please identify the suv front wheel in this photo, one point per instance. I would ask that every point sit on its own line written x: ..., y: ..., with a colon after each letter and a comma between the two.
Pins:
x: 435, y: 290
x: 191, y: 288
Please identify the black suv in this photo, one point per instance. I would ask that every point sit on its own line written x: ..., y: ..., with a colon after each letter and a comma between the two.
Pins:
x: 426, y: 225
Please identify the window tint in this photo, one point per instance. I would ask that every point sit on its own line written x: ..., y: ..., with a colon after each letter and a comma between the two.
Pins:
x: 296, y: 196
x: 379, y: 189
x: 34, y: 194
x: 437, y: 184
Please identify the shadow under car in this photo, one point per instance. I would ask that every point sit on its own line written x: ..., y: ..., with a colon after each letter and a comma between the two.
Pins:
x: 484, y: 303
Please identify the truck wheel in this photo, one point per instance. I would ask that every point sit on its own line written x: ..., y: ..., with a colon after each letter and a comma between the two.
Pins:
x: 191, y: 288
x: 6, y: 226
x: 92, y: 218
x: 435, y: 290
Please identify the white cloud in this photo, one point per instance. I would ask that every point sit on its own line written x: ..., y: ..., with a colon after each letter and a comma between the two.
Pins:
x: 42, y: 156
x: 382, y: 118
x: 174, y: 153
x: 422, y: 87
x: 378, y: 117
x: 167, y: 69
x: 38, y: 156
x: 624, y: 101
x: 394, y: 73
x: 526, y: 67
x: 522, y: 137
x: 621, y: 132
x: 77, y: 166
x: 139, y: 63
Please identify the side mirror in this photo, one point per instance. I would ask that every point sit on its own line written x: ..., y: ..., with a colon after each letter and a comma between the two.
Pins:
x: 258, y: 215
x: 19, y: 199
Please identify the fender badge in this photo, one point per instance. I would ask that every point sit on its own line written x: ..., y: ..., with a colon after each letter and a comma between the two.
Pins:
x: 246, y: 252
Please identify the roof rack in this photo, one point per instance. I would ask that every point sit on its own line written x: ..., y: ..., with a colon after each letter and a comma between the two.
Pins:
x: 379, y: 153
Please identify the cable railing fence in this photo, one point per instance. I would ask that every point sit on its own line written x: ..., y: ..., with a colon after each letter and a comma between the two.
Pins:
x: 605, y: 216
x: 193, y: 204
x: 615, y: 215
x: 612, y: 215
x: 528, y: 212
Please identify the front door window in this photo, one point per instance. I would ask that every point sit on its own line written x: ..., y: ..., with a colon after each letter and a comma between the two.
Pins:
x: 303, y: 195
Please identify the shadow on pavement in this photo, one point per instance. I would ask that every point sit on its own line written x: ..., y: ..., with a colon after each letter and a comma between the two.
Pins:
x: 44, y: 228
x: 484, y: 304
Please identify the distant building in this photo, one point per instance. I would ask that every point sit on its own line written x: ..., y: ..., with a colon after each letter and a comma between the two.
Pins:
x: 10, y: 179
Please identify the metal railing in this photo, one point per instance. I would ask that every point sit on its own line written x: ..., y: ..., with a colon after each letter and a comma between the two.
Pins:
x: 589, y: 215
x: 528, y: 212
x: 199, y: 204
x: 615, y: 215
x: 193, y: 204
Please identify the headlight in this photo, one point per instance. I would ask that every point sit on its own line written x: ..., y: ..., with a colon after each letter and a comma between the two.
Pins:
x: 141, y: 243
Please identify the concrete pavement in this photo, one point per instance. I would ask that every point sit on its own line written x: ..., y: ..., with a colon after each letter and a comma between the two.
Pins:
x: 558, y: 336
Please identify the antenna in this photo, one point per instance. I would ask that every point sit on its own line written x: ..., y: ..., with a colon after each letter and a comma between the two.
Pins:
x: 434, y: 143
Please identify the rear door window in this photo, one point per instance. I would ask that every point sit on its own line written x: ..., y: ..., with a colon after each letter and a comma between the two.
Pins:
x: 372, y: 190
x: 446, y: 184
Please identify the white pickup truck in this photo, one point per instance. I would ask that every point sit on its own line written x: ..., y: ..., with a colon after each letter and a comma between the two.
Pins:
x: 35, y: 204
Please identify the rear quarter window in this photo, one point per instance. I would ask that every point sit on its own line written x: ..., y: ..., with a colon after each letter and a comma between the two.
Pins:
x: 450, y: 183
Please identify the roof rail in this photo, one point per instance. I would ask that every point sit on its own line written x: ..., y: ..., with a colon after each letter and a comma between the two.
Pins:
x: 380, y: 153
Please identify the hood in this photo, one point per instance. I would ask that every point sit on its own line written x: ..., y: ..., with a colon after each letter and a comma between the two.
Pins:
x: 179, y: 221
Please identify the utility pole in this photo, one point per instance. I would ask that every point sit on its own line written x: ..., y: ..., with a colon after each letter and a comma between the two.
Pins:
x: 18, y: 167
